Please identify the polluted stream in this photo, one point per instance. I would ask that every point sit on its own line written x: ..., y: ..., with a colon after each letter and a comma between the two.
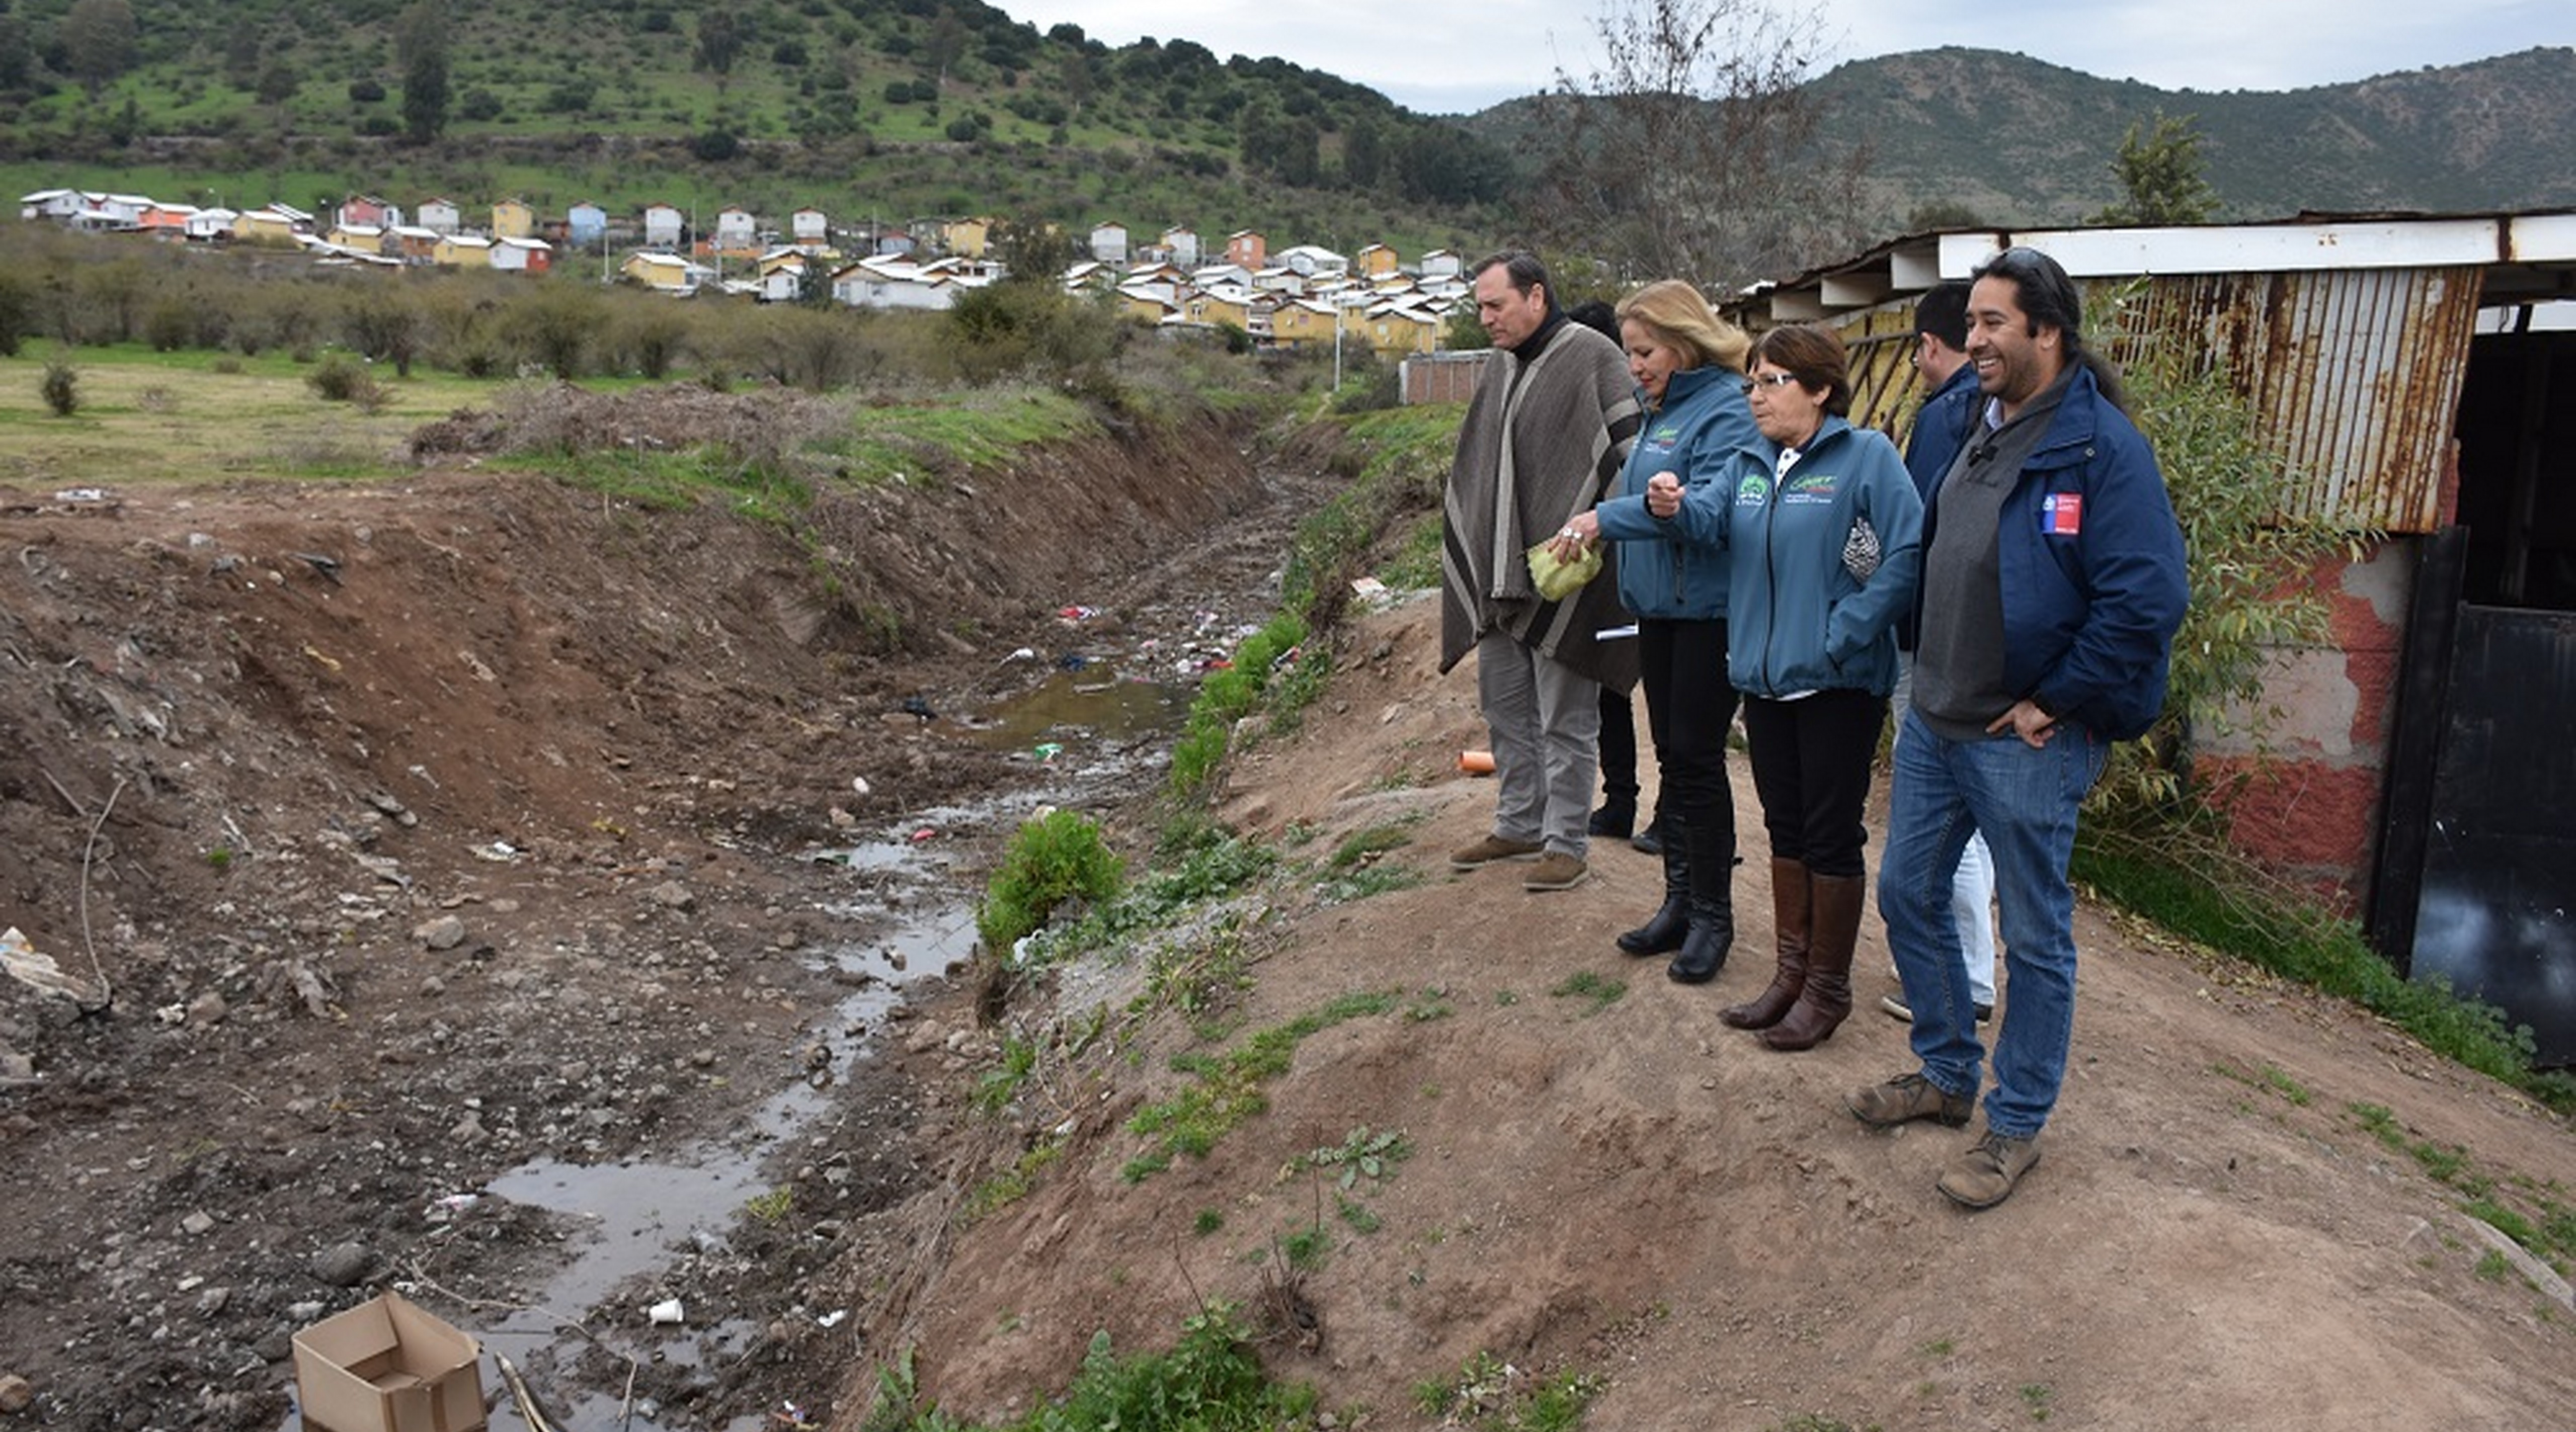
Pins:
x: 1089, y: 727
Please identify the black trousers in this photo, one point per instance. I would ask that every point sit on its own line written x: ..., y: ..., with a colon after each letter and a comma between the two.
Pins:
x: 1811, y: 767
x: 1618, y: 749
x: 1690, y: 706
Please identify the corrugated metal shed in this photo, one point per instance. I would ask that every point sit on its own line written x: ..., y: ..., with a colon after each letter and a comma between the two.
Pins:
x: 2354, y: 376
x: 2349, y: 335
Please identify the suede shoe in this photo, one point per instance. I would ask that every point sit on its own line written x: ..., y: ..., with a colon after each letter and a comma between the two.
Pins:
x: 1555, y: 870
x: 1905, y: 1098
x: 1985, y: 1175
x: 1896, y: 1008
x: 1491, y: 849
x: 1613, y: 821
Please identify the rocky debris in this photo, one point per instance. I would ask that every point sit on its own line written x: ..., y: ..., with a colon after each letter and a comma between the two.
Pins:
x: 444, y: 933
x: 344, y: 1265
x: 16, y: 1394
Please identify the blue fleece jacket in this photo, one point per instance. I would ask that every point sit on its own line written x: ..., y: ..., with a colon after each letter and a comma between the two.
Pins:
x: 1702, y: 420
x: 2095, y: 579
x: 1798, y: 619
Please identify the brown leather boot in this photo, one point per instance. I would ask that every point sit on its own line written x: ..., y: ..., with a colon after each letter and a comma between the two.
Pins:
x: 1792, y: 904
x: 1826, y: 999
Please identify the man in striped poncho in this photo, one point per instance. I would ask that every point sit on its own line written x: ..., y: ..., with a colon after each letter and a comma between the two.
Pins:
x: 1545, y: 436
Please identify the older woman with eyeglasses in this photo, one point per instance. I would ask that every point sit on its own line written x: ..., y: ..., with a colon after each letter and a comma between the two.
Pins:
x: 1822, y: 528
x: 1689, y: 365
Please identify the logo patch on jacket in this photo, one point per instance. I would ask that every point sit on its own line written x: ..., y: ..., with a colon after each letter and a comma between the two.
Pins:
x: 1805, y: 487
x: 1753, y: 491
x: 1665, y: 438
x: 2061, y: 514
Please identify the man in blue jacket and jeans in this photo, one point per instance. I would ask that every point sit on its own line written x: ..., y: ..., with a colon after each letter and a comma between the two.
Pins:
x: 2053, y: 581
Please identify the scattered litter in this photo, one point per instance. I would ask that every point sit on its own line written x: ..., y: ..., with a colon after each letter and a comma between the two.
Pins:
x: 331, y: 662
x: 833, y: 1319
x: 859, y: 784
x: 1023, y: 654
x: 1072, y: 661
x: 1048, y: 750
x: 791, y: 1414
x: 667, y: 1312
x: 499, y: 852
x: 1368, y: 586
x: 915, y: 706
x: 1476, y: 763
x: 19, y: 957
x: 1073, y: 615
x: 1285, y: 659
x: 81, y: 494
x: 925, y: 833
x: 452, y: 1204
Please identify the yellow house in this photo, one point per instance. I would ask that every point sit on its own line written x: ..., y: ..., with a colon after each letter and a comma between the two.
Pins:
x: 364, y: 238
x: 513, y: 220
x: 264, y: 226
x: 967, y: 238
x: 1396, y: 332
x: 1375, y: 261
x: 1300, y: 322
x: 1144, y: 307
x: 1212, y: 310
x: 462, y: 251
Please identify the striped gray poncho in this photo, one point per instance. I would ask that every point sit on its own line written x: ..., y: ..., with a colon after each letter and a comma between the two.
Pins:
x: 1544, y: 438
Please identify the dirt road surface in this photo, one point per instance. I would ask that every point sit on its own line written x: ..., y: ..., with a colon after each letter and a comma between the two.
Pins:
x: 407, y: 835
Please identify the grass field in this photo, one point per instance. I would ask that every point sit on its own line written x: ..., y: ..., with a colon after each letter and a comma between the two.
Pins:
x: 197, y: 417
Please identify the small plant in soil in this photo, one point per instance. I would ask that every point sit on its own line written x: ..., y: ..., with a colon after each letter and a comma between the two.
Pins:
x: 1363, y: 1153
x: 1598, y: 992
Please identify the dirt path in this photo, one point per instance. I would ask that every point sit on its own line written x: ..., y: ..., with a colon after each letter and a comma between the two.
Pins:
x: 2214, y: 1239
x: 246, y: 789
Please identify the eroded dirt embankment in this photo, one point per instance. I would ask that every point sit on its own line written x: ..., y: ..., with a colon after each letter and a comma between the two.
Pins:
x: 410, y: 830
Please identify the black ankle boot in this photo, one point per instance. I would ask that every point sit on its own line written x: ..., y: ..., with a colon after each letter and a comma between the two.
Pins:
x: 1664, y: 930
x: 1612, y: 821
x: 1712, y: 934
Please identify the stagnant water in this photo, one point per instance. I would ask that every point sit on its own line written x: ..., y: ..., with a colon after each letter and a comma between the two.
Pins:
x: 1085, y: 727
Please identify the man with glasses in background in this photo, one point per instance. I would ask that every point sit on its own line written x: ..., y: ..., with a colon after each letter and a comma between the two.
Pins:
x: 2053, y: 582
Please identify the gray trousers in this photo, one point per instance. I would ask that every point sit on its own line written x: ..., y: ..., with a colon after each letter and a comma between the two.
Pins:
x: 1546, y: 725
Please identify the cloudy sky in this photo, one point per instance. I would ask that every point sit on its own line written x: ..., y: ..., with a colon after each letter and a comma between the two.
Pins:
x: 1451, y: 56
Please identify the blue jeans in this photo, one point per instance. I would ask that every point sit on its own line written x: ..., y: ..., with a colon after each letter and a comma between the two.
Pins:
x: 2024, y: 802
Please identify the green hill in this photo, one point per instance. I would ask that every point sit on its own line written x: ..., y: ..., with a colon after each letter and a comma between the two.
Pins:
x: 889, y: 110
x: 884, y: 109
x: 2013, y: 140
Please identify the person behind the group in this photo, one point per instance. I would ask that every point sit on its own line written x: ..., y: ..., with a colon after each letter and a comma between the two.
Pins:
x: 1616, y: 816
x: 1688, y: 364
x: 1544, y: 437
x: 1820, y: 524
x: 2054, y: 579
x: 1941, y: 428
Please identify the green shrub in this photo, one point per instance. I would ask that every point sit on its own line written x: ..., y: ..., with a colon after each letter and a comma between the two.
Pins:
x: 340, y: 378
x: 1051, y: 859
x: 61, y: 387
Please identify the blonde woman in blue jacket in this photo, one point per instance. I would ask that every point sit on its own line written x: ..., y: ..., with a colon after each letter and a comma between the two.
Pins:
x: 1689, y: 367
x: 1822, y: 527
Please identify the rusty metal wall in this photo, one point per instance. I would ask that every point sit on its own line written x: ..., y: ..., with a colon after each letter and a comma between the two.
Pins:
x: 2354, y: 376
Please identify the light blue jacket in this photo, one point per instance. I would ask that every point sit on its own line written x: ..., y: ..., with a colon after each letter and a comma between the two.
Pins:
x: 1703, y: 418
x: 1798, y: 619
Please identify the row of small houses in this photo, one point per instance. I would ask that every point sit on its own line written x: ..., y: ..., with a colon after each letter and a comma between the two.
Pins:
x: 1305, y: 295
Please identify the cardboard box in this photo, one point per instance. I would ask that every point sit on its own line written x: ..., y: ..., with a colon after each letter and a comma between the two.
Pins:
x: 387, y: 1366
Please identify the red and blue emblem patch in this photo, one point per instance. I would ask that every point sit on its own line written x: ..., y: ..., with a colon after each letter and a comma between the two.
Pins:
x: 2061, y: 514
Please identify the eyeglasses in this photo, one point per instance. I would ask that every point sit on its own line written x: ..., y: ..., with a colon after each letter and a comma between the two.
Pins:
x: 1760, y: 381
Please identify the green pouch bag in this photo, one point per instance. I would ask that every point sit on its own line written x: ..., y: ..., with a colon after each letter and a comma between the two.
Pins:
x: 1557, y: 580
